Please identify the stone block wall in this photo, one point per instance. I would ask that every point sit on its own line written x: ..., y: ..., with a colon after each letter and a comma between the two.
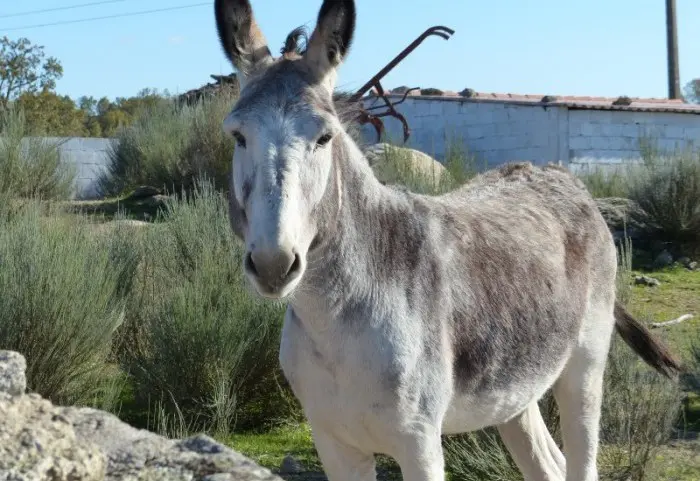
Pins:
x: 499, y: 131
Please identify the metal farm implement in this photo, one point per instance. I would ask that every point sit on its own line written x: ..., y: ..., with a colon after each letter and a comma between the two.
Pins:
x: 373, y: 115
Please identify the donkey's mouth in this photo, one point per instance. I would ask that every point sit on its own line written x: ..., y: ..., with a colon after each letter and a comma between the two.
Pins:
x: 277, y: 287
x: 276, y: 293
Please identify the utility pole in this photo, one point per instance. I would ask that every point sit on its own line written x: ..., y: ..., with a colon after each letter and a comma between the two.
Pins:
x: 674, y: 82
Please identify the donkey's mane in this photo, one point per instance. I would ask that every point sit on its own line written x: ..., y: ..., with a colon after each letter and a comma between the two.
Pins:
x: 296, y: 42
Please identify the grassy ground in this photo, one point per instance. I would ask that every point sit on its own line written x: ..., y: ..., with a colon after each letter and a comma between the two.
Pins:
x: 679, y: 293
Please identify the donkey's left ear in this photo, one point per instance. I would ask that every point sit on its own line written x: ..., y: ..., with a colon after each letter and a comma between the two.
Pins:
x: 332, y: 37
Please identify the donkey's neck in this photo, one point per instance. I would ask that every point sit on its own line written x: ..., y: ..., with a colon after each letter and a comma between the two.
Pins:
x: 368, y: 234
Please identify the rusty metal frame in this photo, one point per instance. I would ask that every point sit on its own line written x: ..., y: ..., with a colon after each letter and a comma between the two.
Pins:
x: 365, y: 115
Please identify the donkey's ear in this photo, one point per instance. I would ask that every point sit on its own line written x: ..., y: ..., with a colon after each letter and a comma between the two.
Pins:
x: 332, y: 37
x: 241, y: 38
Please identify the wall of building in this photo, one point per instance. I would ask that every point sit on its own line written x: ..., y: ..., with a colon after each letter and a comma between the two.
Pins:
x: 610, y: 138
x: 497, y: 132
x: 494, y: 132
x: 90, y: 158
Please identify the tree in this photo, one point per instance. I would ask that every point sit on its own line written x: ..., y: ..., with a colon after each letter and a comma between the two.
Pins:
x: 24, y: 68
x: 692, y: 91
x: 48, y: 113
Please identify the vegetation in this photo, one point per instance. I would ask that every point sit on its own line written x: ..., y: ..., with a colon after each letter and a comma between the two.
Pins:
x: 198, y: 346
x: 30, y: 167
x: 691, y: 91
x: 169, y: 146
x: 24, y: 68
x: 602, y: 182
x: 59, y: 303
x: 28, y: 81
x: 667, y: 188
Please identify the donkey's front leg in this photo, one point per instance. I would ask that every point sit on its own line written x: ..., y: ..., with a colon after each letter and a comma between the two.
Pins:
x: 342, y: 462
x: 421, y: 457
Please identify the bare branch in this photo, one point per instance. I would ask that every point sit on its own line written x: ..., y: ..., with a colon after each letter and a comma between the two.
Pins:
x: 684, y: 317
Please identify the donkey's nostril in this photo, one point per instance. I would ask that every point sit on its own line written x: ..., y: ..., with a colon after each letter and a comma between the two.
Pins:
x: 250, y: 265
x: 296, y: 265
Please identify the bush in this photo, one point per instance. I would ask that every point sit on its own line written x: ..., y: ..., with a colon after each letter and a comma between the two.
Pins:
x: 603, y: 183
x: 59, y: 303
x: 203, y: 350
x: 170, y: 145
x: 667, y: 188
x: 30, y: 166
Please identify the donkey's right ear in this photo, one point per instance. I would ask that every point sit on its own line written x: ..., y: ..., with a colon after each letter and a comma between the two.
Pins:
x: 241, y: 38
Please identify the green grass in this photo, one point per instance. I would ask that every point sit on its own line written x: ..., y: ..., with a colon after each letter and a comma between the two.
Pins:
x: 678, y: 294
x: 270, y: 448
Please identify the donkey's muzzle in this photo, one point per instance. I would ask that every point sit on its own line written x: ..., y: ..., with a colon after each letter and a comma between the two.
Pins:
x: 273, y: 270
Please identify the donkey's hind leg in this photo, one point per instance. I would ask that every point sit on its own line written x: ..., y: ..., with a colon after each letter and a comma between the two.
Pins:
x: 532, y: 447
x: 579, y: 394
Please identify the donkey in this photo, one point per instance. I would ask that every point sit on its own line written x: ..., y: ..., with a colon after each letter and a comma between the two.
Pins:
x: 412, y: 316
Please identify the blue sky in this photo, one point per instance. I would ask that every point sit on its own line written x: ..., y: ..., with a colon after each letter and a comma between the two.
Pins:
x: 591, y: 47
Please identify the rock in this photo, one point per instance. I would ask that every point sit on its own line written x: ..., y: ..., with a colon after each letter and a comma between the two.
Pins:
x: 39, y: 444
x: 687, y: 263
x: 647, y: 281
x: 664, y: 259
x: 291, y: 466
x: 12, y: 373
x: 157, y: 201
x: 391, y: 164
x: 620, y: 214
x: 144, y: 191
x: 43, y: 442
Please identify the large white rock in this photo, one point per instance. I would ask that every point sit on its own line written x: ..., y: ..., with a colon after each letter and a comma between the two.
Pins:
x: 392, y: 164
x: 43, y: 442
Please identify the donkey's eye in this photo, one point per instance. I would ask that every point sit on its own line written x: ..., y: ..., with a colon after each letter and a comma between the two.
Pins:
x: 323, y: 140
x: 240, y: 140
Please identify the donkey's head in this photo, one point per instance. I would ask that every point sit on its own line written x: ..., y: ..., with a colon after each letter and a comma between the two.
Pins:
x: 284, y: 124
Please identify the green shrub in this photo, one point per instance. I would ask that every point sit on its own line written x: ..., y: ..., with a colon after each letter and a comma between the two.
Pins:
x: 59, y: 303
x: 30, y: 166
x: 667, y: 188
x: 605, y: 183
x: 170, y: 145
x: 202, y: 349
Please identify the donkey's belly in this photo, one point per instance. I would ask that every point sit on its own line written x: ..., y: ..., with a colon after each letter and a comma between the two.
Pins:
x: 493, y: 406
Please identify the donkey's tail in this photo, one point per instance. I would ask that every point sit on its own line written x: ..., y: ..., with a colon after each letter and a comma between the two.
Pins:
x: 644, y: 343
